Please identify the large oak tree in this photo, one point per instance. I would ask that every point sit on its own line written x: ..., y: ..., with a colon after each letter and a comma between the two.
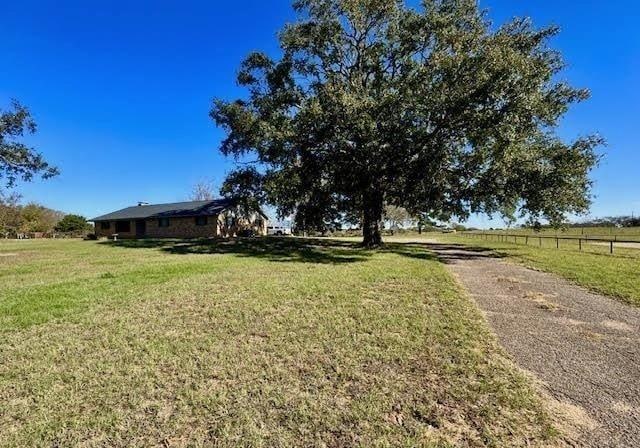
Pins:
x: 431, y: 109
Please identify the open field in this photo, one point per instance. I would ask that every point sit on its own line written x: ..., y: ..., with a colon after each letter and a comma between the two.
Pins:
x: 616, y: 275
x: 610, y: 233
x: 570, y: 242
x: 267, y: 342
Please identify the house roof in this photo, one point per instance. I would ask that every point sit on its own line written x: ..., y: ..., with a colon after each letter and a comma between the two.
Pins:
x: 176, y: 209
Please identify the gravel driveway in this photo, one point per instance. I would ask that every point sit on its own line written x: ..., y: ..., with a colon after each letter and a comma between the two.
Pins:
x: 584, y: 347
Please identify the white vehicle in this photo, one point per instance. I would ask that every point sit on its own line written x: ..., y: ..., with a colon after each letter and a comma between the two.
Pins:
x: 278, y: 230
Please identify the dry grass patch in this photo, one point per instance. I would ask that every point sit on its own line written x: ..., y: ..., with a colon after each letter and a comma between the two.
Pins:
x: 543, y: 301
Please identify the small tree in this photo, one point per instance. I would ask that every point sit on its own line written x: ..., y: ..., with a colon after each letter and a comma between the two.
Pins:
x: 458, y: 227
x: 73, y: 223
x: 396, y: 216
x: 203, y: 191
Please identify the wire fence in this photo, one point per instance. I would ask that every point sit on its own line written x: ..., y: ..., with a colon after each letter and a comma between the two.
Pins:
x: 578, y: 242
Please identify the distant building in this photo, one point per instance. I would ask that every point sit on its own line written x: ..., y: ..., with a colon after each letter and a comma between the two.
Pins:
x: 195, y: 219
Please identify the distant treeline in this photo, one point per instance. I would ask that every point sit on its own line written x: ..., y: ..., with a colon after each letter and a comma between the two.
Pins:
x: 35, y: 220
x: 610, y: 221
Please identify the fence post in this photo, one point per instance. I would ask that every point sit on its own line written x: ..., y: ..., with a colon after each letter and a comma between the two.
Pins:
x: 580, y: 243
x: 540, y: 240
x: 526, y: 240
x: 611, y: 249
x: 557, y: 243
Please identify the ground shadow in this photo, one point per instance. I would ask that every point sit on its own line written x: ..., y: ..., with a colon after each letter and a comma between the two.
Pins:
x: 279, y: 249
x: 450, y: 253
x: 276, y: 249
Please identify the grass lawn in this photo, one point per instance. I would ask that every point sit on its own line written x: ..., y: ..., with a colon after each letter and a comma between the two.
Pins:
x: 261, y: 343
x: 616, y: 275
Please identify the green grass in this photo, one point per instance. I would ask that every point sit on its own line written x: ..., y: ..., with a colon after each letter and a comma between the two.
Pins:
x: 617, y: 275
x: 263, y: 343
x: 607, y: 233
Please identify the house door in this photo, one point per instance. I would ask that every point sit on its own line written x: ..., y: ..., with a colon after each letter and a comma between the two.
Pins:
x: 141, y: 228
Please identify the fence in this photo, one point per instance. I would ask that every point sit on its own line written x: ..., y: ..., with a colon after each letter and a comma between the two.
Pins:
x: 526, y: 239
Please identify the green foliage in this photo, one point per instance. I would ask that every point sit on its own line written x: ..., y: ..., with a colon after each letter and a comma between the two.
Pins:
x: 458, y: 227
x: 16, y: 218
x: 428, y: 109
x: 18, y: 161
x: 37, y: 218
x: 397, y: 217
x: 9, y: 214
x: 73, y: 223
x: 244, y: 185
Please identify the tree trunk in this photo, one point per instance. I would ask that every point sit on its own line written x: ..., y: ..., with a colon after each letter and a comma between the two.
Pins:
x: 372, y: 220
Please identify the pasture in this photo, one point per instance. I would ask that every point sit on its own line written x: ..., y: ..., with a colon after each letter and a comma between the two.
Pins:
x: 606, y: 233
x: 265, y: 342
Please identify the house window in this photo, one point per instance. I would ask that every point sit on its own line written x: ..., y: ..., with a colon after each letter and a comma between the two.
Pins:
x: 105, y: 225
x: 123, y: 226
x: 163, y: 222
x: 201, y: 220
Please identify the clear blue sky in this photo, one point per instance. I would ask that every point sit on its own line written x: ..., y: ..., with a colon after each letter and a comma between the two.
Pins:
x: 121, y: 90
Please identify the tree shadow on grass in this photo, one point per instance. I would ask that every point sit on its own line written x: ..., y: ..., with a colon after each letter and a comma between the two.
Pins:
x: 450, y: 253
x: 279, y: 249
x: 270, y: 248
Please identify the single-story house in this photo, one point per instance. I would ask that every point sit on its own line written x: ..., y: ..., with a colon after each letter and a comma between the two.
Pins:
x: 195, y: 219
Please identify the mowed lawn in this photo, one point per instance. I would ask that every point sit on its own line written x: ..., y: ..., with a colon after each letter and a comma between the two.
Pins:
x: 616, y: 275
x: 262, y: 343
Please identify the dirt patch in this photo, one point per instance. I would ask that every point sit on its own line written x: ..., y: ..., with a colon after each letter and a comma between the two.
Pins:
x: 617, y: 325
x: 623, y: 408
x: 513, y: 280
x: 577, y: 420
x: 542, y: 300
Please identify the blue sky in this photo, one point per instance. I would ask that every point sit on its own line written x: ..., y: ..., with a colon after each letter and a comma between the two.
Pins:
x: 121, y: 90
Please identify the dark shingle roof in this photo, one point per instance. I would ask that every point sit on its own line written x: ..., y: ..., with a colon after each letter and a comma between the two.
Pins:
x: 177, y: 209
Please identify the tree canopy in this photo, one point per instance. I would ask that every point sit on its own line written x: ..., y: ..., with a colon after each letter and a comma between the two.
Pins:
x: 430, y: 109
x: 397, y: 217
x: 38, y: 218
x: 73, y: 223
x: 10, y: 219
x: 17, y: 160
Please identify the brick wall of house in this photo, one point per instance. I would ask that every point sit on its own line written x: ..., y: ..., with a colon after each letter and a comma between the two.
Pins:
x: 186, y: 228
x: 182, y: 228
x: 100, y: 232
